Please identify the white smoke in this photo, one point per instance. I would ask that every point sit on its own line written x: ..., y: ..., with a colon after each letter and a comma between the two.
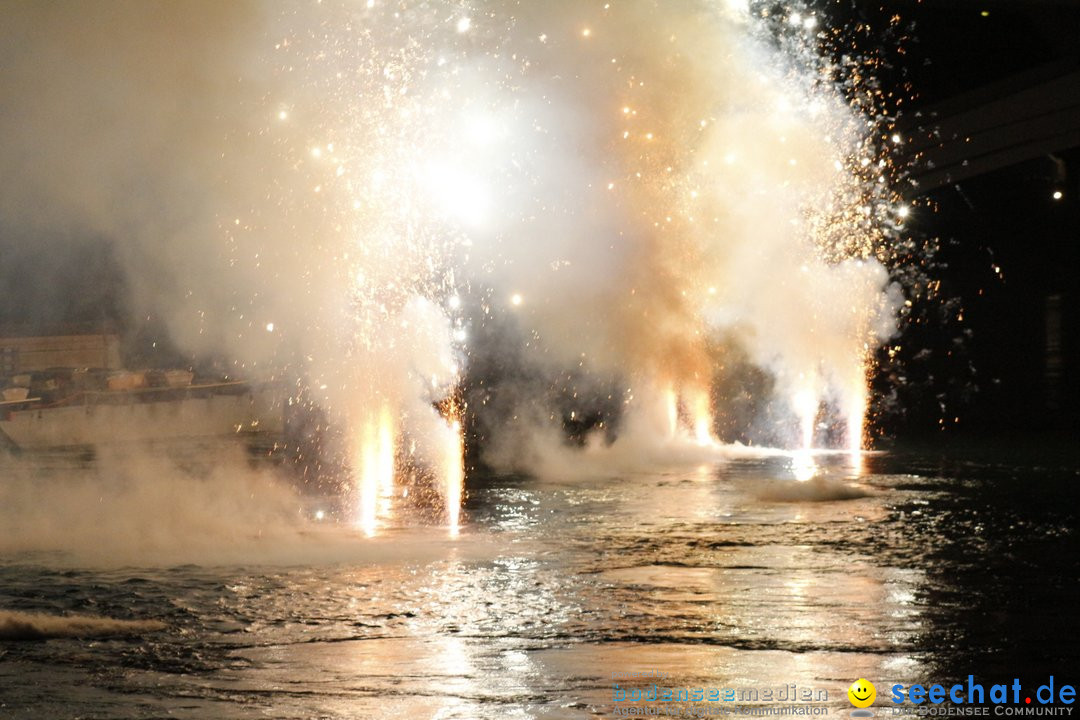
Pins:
x: 309, y: 186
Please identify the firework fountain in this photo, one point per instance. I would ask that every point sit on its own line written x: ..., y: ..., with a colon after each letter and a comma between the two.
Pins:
x: 626, y: 186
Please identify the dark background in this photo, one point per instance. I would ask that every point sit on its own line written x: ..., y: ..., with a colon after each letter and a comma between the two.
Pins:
x: 1006, y: 249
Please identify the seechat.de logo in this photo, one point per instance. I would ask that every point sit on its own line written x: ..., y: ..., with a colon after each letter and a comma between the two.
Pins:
x: 974, y: 693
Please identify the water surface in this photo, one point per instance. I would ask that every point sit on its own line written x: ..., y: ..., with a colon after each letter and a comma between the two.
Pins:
x: 729, y: 575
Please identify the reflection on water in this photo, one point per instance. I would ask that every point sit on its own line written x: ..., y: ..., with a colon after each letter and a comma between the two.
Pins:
x: 728, y: 576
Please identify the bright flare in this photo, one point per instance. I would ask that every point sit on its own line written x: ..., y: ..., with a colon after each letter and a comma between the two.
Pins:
x: 455, y: 475
x: 671, y: 403
x: 805, y: 404
x: 701, y: 415
x: 376, y: 463
x: 803, y: 466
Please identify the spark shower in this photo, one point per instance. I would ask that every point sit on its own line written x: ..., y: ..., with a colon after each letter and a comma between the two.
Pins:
x: 628, y: 195
x: 627, y: 186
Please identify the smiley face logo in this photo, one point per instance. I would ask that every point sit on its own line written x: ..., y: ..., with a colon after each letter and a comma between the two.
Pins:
x: 862, y: 693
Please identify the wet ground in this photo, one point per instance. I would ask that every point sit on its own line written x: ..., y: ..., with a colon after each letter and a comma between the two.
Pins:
x: 732, y: 575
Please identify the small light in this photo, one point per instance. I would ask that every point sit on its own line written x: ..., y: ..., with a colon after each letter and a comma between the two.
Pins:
x: 319, y: 515
x: 896, y: 139
x: 282, y: 115
x: 460, y: 334
x: 464, y: 24
x: 454, y: 302
x: 1058, y: 195
x: 903, y: 211
x: 515, y: 299
x: 316, y: 152
x: 270, y: 327
x: 985, y: 13
x: 586, y: 32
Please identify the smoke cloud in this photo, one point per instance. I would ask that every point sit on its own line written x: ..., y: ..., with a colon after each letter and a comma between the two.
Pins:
x: 206, y: 505
x: 595, y: 202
